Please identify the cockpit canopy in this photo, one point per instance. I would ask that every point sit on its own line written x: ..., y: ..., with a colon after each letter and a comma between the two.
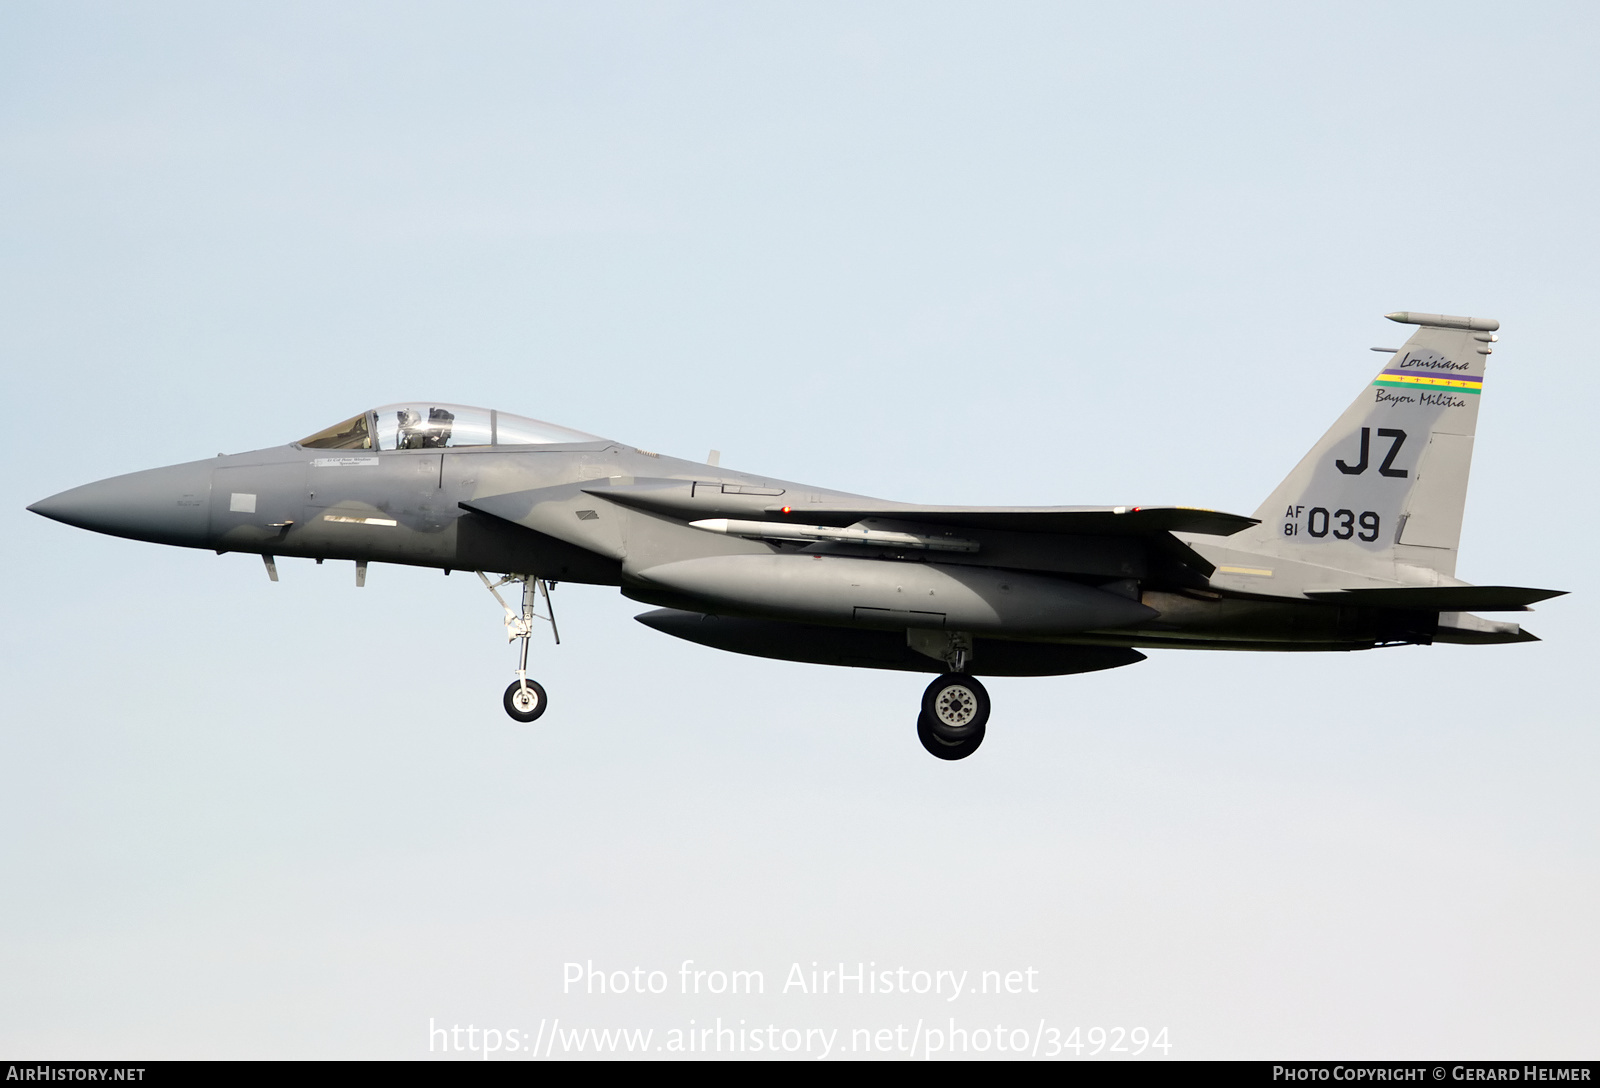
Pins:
x: 427, y: 426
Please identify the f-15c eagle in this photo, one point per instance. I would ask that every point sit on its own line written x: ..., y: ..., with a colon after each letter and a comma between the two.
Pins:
x: 1355, y: 549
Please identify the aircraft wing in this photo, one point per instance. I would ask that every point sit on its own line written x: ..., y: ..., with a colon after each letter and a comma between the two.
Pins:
x: 1442, y: 598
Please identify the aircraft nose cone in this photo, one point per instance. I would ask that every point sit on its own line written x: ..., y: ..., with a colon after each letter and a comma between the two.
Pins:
x: 169, y: 505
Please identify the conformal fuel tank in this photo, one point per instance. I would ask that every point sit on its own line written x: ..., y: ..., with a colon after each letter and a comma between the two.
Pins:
x: 888, y: 593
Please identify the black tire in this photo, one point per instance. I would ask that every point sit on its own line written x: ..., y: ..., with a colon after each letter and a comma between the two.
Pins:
x: 956, y: 706
x: 535, y: 694
x: 948, y: 749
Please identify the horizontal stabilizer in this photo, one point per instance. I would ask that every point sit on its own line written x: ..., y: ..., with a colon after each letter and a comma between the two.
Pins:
x: 1442, y: 598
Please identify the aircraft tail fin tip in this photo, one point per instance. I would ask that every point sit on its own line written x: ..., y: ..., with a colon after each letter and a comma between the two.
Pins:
x: 1444, y: 321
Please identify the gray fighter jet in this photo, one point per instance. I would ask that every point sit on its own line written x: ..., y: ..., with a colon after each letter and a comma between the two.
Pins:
x: 1355, y: 549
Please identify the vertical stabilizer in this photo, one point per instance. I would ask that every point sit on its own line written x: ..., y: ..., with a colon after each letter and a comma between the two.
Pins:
x: 1383, y: 492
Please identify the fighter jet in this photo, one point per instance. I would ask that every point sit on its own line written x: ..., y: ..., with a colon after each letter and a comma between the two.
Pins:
x: 1355, y: 549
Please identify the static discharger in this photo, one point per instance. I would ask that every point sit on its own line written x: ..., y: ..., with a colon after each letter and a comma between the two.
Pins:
x: 810, y: 534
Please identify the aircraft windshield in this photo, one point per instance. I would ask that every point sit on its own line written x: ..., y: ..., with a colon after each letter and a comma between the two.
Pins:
x: 352, y: 434
x: 425, y: 426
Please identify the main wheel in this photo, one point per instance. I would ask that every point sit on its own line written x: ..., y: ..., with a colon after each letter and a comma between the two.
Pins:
x: 956, y: 706
x: 526, y: 704
x: 948, y: 749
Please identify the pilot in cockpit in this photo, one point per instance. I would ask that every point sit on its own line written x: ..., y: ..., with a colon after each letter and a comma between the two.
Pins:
x: 411, y: 433
x: 439, y: 426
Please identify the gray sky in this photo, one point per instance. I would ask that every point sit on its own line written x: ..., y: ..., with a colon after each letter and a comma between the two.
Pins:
x: 997, y: 253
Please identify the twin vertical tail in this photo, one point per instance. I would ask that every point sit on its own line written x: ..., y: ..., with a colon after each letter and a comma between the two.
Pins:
x: 1383, y: 492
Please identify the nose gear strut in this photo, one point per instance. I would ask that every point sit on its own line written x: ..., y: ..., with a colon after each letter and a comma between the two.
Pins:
x: 525, y: 699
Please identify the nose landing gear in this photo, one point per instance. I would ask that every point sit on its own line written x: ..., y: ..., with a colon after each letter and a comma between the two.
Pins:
x: 525, y: 700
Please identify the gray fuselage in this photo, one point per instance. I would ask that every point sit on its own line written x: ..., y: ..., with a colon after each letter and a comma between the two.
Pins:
x: 608, y: 514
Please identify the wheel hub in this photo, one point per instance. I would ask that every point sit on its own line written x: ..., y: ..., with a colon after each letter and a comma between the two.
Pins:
x: 956, y: 706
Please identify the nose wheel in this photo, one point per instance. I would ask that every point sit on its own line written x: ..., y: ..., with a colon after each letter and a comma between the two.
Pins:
x: 525, y: 700
x: 955, y: 714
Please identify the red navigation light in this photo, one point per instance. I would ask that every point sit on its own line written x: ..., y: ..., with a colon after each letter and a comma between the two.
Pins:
x: 786, y: 510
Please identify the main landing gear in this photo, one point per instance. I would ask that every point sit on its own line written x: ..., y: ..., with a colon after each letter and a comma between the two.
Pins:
x: 525, y: 699
x: 955, y: 712
x: 955, y: 708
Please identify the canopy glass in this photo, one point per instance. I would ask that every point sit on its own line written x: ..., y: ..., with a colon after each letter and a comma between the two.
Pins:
x: 423, y: 425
